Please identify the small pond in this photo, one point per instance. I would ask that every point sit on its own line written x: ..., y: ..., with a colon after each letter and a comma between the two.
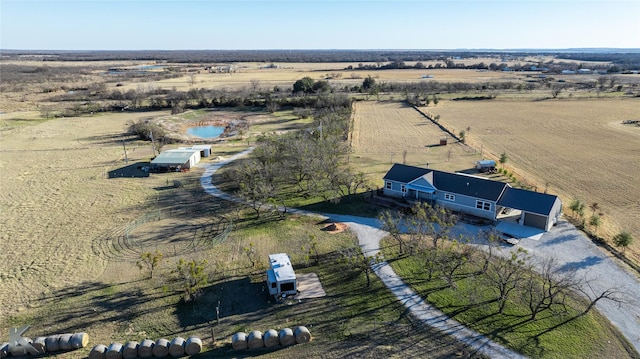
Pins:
x: 205, y: 131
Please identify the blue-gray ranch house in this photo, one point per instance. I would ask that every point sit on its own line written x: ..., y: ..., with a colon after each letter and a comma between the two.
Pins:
x: 473, y: 195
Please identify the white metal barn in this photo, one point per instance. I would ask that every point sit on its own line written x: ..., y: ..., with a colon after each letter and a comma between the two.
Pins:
x: 175, y: 160
x: 281, y: 279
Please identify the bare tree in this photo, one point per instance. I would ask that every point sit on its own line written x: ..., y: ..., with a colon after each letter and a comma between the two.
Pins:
x: 504, y: 275
x: 549, y: 288
x: 594, y: 295
x: 453, y: 257
x: 355, y: 259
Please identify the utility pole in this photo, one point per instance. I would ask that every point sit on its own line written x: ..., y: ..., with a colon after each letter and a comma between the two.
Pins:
x: 126, y: 159
x: 153, y: 143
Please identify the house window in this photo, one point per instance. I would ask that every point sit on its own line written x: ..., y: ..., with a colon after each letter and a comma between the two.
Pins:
x: 483, y: 205
x: 449, y: 197
x: 388, y: 185
x: 403, y: 189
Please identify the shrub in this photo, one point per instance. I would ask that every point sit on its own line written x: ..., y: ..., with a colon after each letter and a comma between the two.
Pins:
x: 144, y: 129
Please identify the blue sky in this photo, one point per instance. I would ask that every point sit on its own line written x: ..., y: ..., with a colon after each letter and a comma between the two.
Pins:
x: 327, y: 24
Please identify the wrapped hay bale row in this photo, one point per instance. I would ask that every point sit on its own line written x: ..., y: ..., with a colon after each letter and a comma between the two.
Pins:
x: 52, y: 343
x: 302, y: 334
x: 79, y: 340
x: 18, y: 350
x: 40, y: 344
x: 60, y: 342
x: 114, y: 351
x: 4, y: 350
x: 176, y: 348
x: 239, y: 341
x: 271, y: 338
x: 98, y: 352
x: 255, y: 340
x: 65, y: 341
x: 145, y: 350
x: 161, y: 348
x: 193, y: 346
x: 130, y: 350
x: 286, y: 337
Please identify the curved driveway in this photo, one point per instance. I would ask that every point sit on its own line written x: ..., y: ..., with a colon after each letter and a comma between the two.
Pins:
x: 564, y: 242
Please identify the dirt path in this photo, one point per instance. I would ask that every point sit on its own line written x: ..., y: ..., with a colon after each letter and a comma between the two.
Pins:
x: 369, y: 236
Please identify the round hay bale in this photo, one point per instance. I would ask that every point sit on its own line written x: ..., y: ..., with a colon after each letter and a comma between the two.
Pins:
x: 18, y: 351
x: 161, y: 348
x: 176, y: 349
x: 65, y: 341
x: 254, y: 341
x: 193, y: 346
x: 286, y: 337
x: 145, y: 350
x: 130, y: 350
x: 79, y: 340
x: 114, y: 351
x: 40, y: 344
x: 302, y: 334
x: 98, y: 352
x: 52, y: 343
x: 239, y: 341
x: 4, y: 350
x: 270, y: 338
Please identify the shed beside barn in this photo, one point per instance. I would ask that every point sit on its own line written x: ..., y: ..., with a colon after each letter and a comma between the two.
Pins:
x: 205, y: 150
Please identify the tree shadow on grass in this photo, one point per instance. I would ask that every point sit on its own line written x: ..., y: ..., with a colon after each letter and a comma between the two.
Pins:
x: 93, y: 304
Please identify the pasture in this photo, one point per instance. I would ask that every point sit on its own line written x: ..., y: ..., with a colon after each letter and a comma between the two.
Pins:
x: 383, y: 131
x: 58, y: 199
x: 67, y: 268
x: 576, y: 147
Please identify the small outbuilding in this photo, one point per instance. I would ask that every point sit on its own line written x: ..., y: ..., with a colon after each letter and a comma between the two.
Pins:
x: 205, y: 150
x: 486, y: 166
x: 281, y: 278
x: 175, y: 160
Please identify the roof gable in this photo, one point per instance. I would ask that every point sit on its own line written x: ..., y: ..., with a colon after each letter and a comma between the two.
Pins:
x: 422, y: 183
x: 528, y: 201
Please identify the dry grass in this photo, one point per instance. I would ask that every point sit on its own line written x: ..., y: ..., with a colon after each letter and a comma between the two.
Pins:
x: 384, y: 130
x: 56, y: 198
x: 579, y: 148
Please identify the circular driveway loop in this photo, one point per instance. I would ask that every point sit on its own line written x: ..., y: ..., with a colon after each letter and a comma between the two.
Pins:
x: 569, y: 246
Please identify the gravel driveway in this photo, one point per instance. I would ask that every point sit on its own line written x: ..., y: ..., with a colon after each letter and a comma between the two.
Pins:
x: 570, y: 247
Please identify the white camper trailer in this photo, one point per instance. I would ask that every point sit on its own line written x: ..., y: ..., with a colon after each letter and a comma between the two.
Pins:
x: 281, y: 279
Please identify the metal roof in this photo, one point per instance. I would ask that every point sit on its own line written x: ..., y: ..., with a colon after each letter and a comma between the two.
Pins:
x: 173, y: 157
x: 281, y: 266
x: 528, y: 201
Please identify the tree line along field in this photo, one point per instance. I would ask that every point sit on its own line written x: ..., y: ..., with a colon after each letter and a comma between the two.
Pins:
x: 58, y: 199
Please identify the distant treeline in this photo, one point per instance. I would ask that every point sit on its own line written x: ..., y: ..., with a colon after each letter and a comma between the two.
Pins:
x: 619, y: 57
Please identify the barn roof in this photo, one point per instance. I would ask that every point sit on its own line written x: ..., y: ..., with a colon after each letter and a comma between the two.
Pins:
x: 173, y: 157
x: 528, y: 201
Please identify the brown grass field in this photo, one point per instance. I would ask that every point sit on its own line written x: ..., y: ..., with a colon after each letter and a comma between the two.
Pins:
x: 56, y: 197
x: 383, y: 131
x: 579, y: 148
